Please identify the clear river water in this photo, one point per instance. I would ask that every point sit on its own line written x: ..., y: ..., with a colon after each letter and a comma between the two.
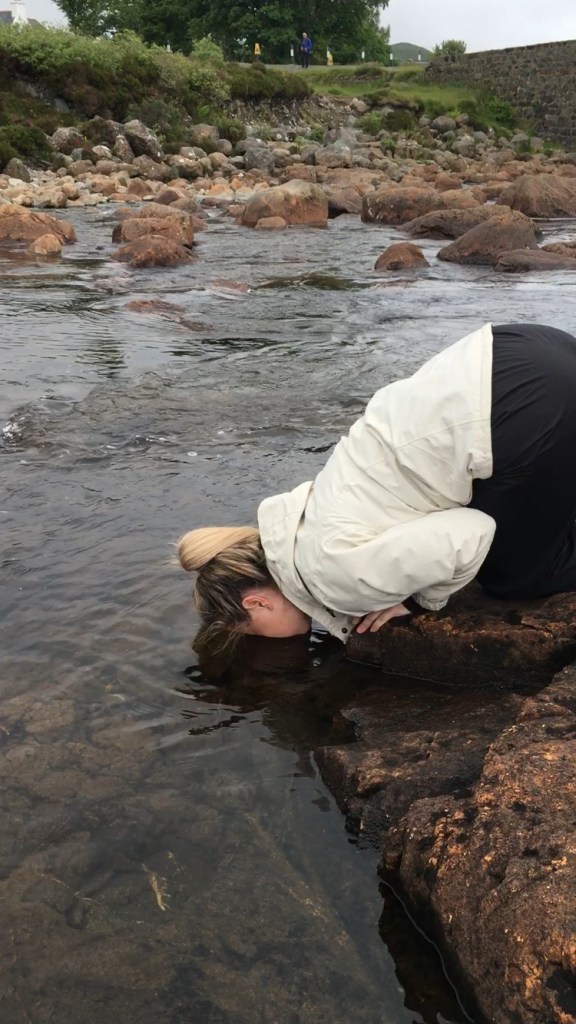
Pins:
x: 168, y: 851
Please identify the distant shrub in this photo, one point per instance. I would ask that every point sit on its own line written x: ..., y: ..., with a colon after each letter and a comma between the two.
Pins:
x: 7, y: 152
x: 257, y: 82
x: 501, y: 112
x: 207, y: 49
x: 229, y: 127
x: 28, y: 143
x: 316, y: 133
x: 435, y: 108
x: 399, y: 121
x: 371, y: 123
x: 407, y: 74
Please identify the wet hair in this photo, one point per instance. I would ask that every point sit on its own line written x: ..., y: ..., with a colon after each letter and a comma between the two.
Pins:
x: 229, y: 560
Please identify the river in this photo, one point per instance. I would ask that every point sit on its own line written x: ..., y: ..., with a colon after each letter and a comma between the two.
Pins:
x: 168, y: 852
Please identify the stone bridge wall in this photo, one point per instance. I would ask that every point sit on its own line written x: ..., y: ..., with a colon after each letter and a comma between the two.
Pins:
x: 539, y: 81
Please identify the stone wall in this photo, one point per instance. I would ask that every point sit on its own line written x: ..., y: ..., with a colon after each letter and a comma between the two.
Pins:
x: 539, y: 81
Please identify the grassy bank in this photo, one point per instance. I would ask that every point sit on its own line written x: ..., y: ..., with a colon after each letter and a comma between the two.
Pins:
x: 377, y: 85
x: 50, y: 77
x: 122, y: 78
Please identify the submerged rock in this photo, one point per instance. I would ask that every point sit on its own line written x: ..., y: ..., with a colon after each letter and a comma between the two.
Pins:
x: 536, y: 259
x: 45, y: 245
x: 401, y: 256
x: 153, y: 251
x: 178, y: 229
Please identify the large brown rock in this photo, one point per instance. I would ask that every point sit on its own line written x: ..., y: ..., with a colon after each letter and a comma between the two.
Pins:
x: 396, y: 204
x: 179, y: 229
x: 477, y: 640
x: 412, y: 741
x: 484, y: 243
x: 20, y: 225
x: 536, y: 259
x: 297, y: 202
x: 493, y: 873
x: 541, y: 195
x: 153, y: 251
x: 451, y: 223
x: 401, y: 256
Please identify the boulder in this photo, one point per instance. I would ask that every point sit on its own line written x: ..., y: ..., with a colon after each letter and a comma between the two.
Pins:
x: 154, y: 210
x: 271, y: 224
x: 336, y: 155
x: 139, y: 188
x: 142, y: 141
x: 16, y: 168
x: 66, y: 140
x: 151, y: 170
x: 541, y: 195
x: 299, y: 172
x: 343, y: 200
x: 259, y: 157
x: 179, y: 229
x: 484, y: 243
x: 169, y: 195
x: 401, y: 256
x: 187, y: 168
x: 443, y: 124
x: 45, y: 245
x: 20, y: 225
x: 123, y: 150
x: 460, y: 199
x: 536, y: 259
x: 492, y: 873
x: 153, y: 251
x: 396, y: 204
x: 477, y: 640
x: 102, y: 152
x: 205, y: 133
x: 451, y: 223
x: 297, y: 202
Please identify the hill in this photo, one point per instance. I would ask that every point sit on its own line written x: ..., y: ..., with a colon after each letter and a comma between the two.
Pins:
x: 403, y: 52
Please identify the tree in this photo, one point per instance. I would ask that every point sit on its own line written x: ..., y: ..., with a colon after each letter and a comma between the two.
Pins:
x: 347, y: 27
x: 451, y: 49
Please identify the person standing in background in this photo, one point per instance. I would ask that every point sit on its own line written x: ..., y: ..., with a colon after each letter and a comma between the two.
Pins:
x: 305, y: 49
x: 257, y: 51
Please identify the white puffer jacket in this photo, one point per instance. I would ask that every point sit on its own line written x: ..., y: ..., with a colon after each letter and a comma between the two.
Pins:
x: 386, y: 518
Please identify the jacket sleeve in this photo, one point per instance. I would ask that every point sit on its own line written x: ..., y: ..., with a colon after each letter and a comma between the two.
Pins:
x: 428, y: 558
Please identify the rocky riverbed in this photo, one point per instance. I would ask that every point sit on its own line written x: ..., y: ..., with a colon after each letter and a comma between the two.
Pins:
x: 169, y: 845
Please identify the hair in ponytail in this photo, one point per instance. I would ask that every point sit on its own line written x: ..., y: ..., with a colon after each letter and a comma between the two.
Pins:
x: 229, y: 561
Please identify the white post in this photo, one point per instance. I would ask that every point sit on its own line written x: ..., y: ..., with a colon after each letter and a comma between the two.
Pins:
x: 19, y: 16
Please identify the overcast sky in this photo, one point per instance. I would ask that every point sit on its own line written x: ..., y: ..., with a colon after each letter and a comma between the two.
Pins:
x: 484, y: 24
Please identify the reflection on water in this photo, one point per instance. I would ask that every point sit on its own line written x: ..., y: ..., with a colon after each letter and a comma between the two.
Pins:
x: 168, y: 850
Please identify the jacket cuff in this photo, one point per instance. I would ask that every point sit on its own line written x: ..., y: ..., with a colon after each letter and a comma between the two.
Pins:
x: 425, y: 604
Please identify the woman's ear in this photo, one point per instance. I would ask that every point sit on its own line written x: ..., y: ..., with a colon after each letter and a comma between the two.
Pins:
x: 256, y: 599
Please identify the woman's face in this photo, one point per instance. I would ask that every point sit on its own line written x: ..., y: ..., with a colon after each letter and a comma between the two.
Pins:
x: 273, y: 615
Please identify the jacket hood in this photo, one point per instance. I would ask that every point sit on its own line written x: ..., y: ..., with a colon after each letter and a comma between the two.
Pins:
x: 279, y: 518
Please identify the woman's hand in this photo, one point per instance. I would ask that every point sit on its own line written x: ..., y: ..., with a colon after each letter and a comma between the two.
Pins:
x: 372, y: 622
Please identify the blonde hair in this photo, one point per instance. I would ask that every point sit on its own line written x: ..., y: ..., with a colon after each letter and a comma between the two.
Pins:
x: 229, y: 561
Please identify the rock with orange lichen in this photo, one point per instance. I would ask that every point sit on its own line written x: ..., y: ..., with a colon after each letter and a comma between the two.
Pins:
x: 492, y: 873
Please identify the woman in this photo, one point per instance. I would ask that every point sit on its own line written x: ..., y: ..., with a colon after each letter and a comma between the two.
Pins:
x: 466, y: 469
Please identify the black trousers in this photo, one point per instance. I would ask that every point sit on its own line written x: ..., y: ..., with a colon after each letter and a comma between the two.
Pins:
x: 532, y: 492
